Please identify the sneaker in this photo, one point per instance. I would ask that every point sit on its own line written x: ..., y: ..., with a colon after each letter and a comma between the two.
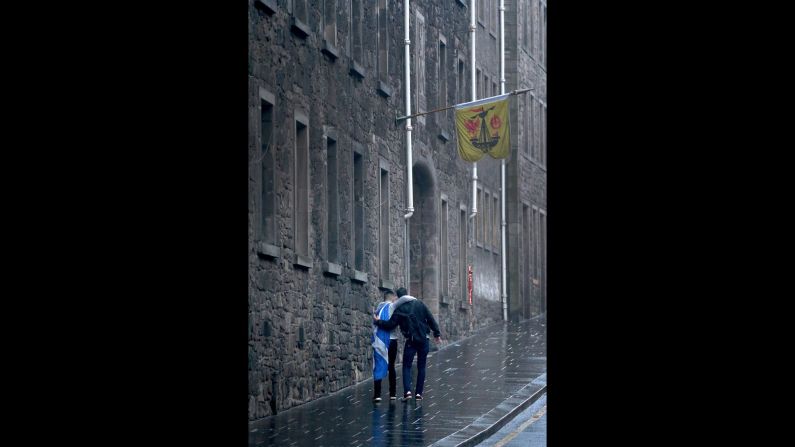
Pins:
x: 392, y: 397
x: 418, y: 397
x: 407, y: 396
x: 377, y: 399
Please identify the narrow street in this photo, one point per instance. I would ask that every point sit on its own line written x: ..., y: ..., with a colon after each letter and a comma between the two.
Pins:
x: 470, y: 385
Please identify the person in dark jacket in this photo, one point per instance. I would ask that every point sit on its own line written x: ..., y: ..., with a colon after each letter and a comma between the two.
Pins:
x: 416, y: 322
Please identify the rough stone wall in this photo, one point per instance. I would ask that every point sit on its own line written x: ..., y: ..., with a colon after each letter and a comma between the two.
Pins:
x: 527, y: 177
x: 309, y: 330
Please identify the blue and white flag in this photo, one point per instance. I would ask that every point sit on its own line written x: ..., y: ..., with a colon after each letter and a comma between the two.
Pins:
x: 381, y: 344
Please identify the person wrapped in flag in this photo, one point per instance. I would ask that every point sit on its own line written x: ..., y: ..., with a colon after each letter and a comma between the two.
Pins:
x: 385, y: 347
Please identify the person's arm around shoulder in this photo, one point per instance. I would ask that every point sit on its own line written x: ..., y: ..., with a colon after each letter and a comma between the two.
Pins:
x: 386, y: 324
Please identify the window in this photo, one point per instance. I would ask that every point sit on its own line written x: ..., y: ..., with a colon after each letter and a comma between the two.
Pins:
x: 543, y: 253
x: 532, y: 132
x: 537, y: 129
x: 419, y: 66
x: 527, y: 133
x: 462, y: 255
x: 268, y: 210
x: 537, y: 43
x: 494, y: 15
x: 531, y: 17
x: 485, y: 92
x: 356, y: 30
x: 477, y: 87
x: 383, y: 41
x: 358, y: 211
x: 527, y: 259
x: 332, y: 202
x: 383, y: 233
x: 443, y: 250
x: 482, y: 11
x: 461, y: 83
x: 535, y: 244
x: 526, y: 26
x: 442, y: 100
x: 301, y: 11
x: 301, y: 203
x: 544, y: 133
x: 330, y: 21
x: 443, y: 118
x: 497, y: 223
x: 543, y: 37
x: 494, y: 91
x: 486, y: 220
x: 479, y: 217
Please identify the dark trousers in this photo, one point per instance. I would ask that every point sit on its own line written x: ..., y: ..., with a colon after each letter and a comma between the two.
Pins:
x: 421, y: 349
x: 392, y: 354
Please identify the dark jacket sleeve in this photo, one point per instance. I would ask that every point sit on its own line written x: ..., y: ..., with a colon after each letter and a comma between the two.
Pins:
x: 388, y: 324
x: 432, y: 322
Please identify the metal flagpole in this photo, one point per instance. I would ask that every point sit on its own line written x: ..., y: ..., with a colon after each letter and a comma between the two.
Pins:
x: 515, y: 92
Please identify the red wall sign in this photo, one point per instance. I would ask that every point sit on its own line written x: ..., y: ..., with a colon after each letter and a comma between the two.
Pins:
x: 469, y: 283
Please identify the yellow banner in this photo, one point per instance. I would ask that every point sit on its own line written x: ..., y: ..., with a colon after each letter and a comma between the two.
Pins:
x: 483, y: 128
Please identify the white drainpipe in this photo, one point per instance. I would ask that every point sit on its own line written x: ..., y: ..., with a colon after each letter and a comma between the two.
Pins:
x: 472, y: 37
x: 503, y: 255
x: 409, y: 164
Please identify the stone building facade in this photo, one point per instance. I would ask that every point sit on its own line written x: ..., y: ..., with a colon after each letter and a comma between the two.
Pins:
x: 327, y: 176
x: 526, y: 177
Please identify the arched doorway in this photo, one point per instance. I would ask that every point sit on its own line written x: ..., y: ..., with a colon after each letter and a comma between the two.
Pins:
x: 424, y: 237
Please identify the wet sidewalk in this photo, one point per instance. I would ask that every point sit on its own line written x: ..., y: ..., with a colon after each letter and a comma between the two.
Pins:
x: 472, y: 388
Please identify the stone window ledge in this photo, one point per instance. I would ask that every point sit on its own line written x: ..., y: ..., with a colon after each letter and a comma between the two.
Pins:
x: 387, y: 284
x: 359, y: 276
x: 299, y: 28
x: 357, y: 70
x: 269, y: 6
x: 265, y: 250
x: 330, y: 50
x: 331, y: 268
x: 384, y: 89
x: 444, y: 136
x: 302, y: 262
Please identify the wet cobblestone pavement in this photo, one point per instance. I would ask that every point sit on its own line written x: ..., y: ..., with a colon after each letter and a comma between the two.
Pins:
x: 469, y: 385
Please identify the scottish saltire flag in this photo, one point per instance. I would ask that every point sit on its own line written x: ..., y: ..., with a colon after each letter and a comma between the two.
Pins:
x: 482, y: 128
x: 381, y: 344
